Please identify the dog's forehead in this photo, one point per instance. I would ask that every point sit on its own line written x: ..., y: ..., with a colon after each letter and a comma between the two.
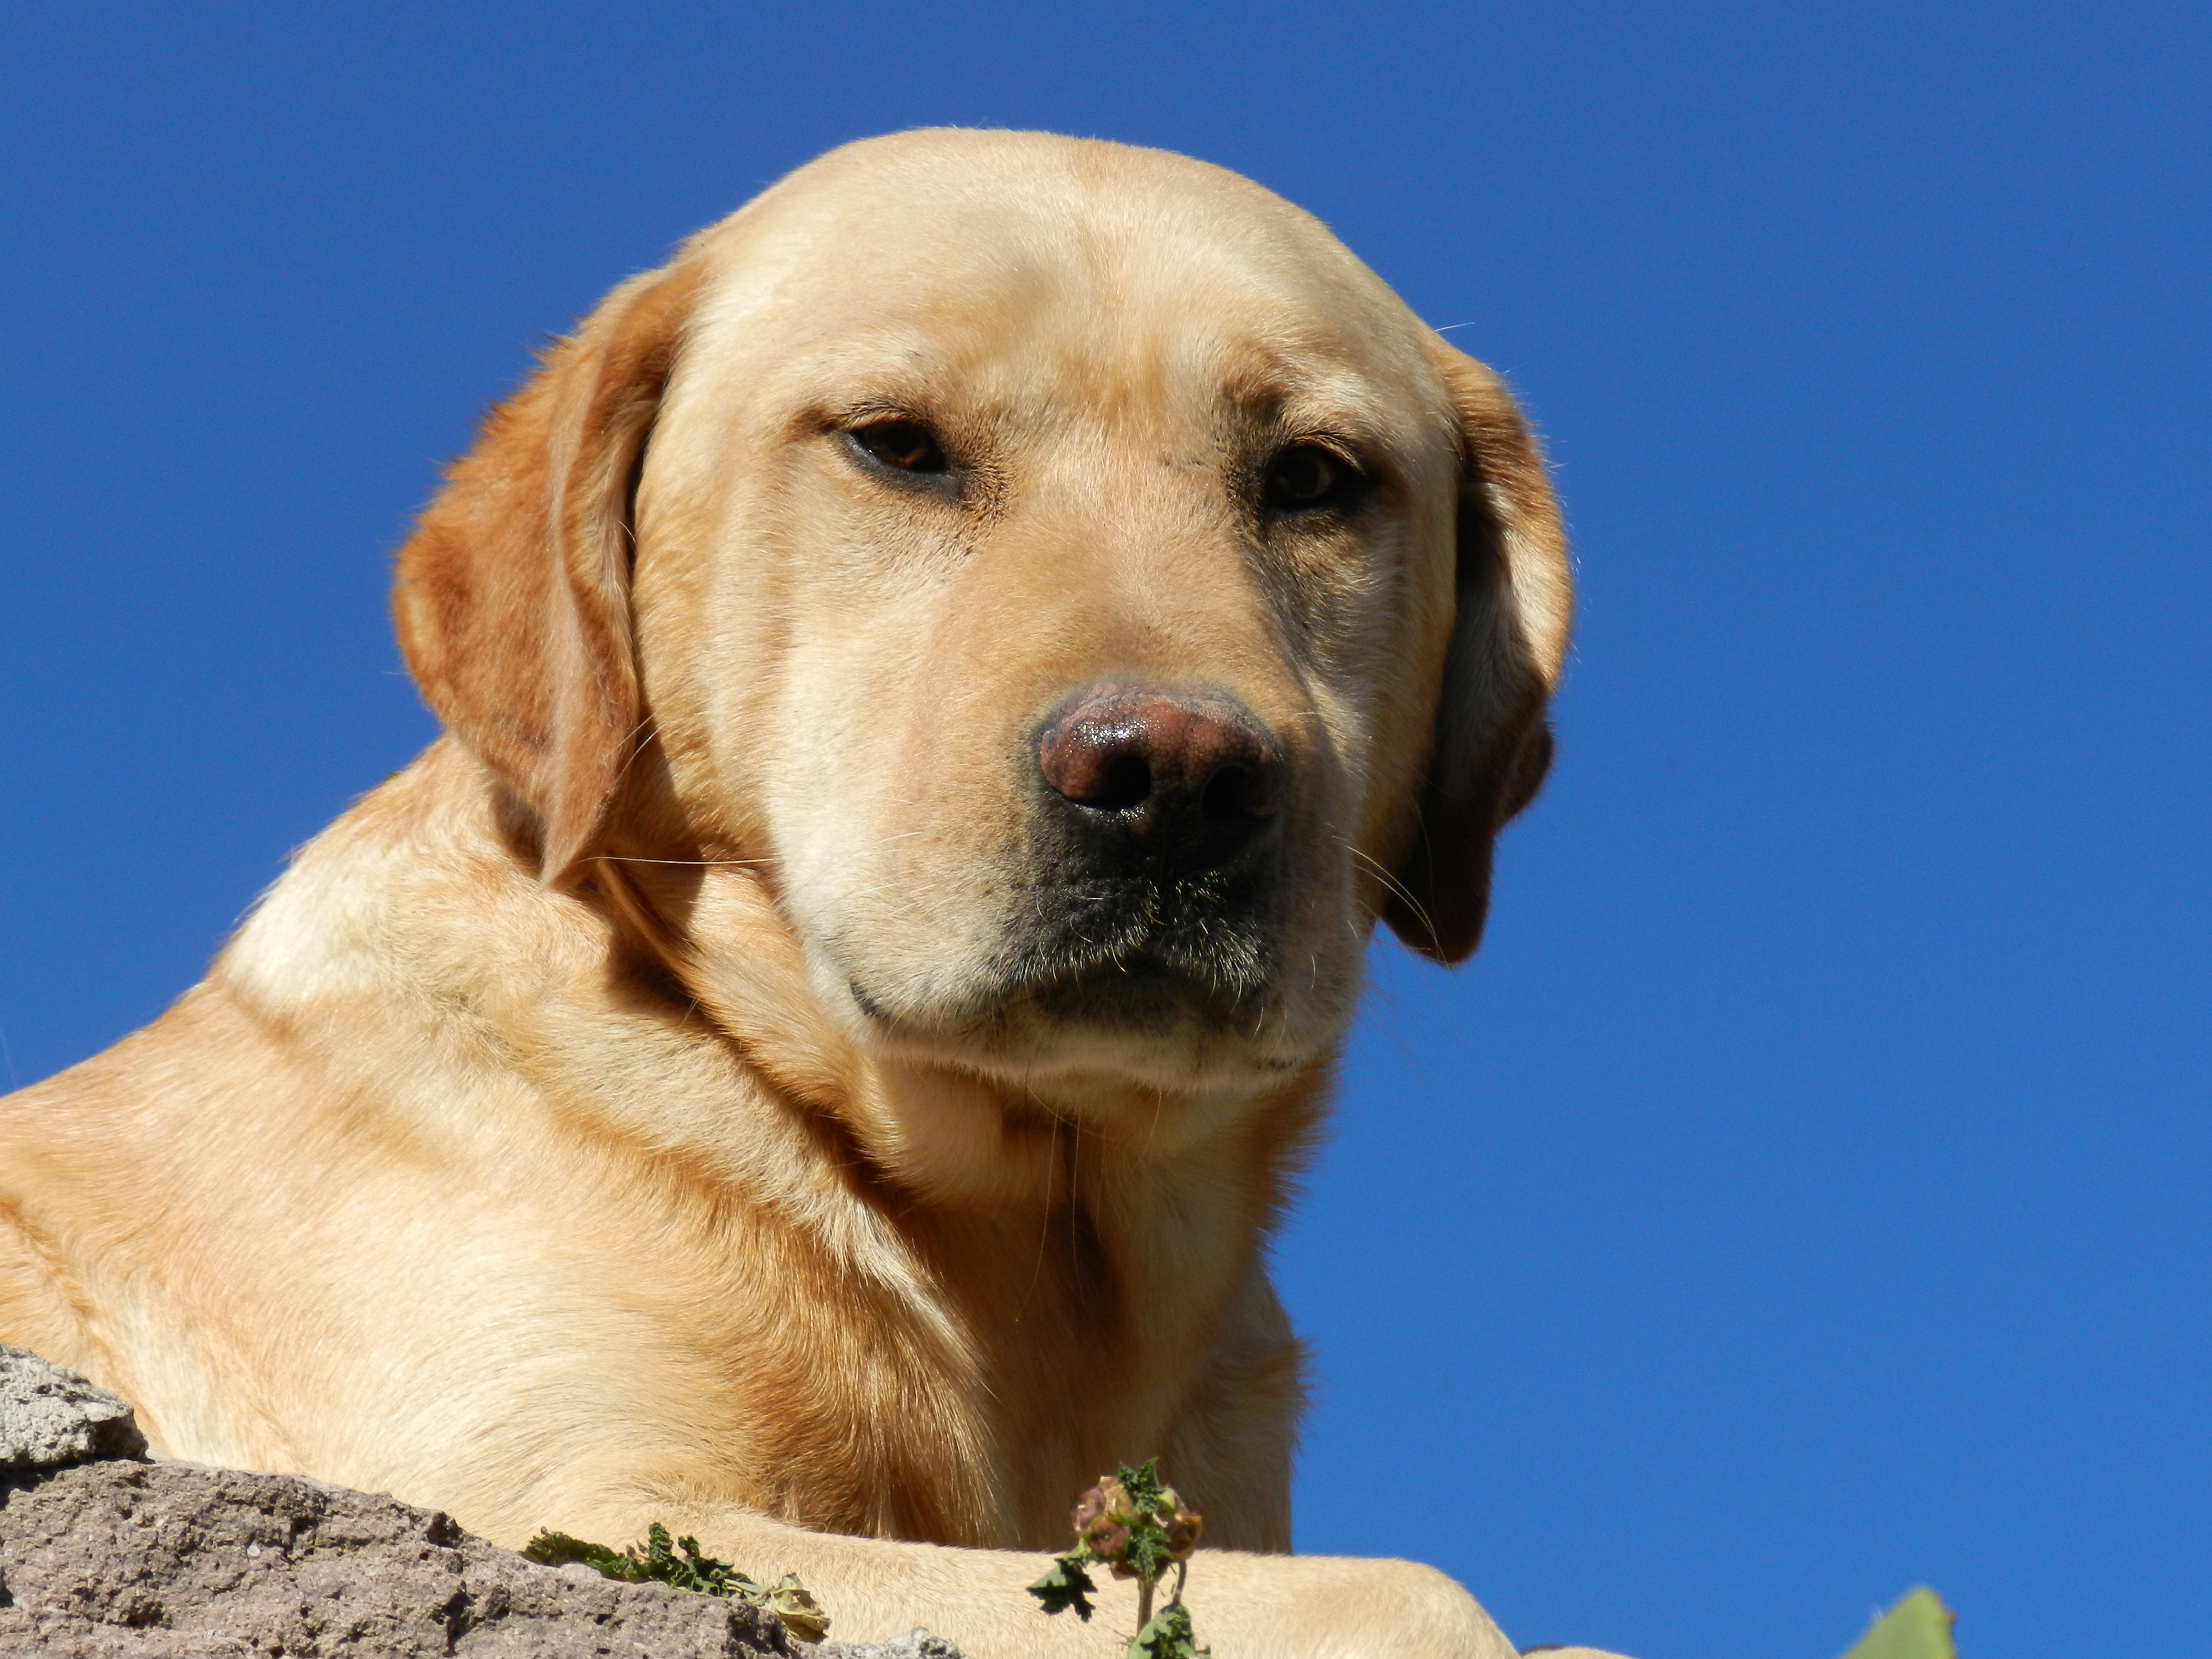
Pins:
x: 975, y: 258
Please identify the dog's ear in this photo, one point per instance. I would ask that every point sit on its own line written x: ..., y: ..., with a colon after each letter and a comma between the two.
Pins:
x: 1515, y: 600
x: 511, y: 598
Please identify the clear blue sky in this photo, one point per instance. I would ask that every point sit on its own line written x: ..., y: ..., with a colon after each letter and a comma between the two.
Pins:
x: 1805, y: 1193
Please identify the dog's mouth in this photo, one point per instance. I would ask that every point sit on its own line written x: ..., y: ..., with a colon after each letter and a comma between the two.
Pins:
x: 1197, y: 947
x: 1138, y: 1019
x: 1150, y: 992
x: 1178, y: 960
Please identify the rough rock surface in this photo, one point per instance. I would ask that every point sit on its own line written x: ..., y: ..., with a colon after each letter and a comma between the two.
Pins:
x: 51, y: 1419
x: 150, y: 1560
x: 140, y: 1560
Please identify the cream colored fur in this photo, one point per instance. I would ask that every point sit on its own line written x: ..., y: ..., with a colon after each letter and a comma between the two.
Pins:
x: 623, y: 1113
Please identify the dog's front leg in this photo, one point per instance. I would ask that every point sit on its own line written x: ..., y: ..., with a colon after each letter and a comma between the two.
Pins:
x: 1243, y: 1605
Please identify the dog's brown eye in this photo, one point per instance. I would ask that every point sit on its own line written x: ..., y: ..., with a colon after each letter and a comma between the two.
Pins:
x: 1306, y: 478
x: 907, y: 445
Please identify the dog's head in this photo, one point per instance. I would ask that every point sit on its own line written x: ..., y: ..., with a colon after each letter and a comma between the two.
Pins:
x: 1083, y: 591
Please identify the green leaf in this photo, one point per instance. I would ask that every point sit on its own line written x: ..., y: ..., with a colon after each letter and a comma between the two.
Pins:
x: 681, y: 1563
x: 1917, y: 1627
x: 1144, y: 1485
x: 1147, y: 1554
x: 1066, y: 1585
x: 1168, y: 1636
x: 558, y: 1549
x: 692, y: 1569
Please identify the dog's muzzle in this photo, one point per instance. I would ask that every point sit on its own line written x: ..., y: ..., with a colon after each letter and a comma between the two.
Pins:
x: 1154, y: 881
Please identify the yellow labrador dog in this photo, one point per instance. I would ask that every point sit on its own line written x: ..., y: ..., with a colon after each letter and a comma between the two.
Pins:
x: 940, y: 681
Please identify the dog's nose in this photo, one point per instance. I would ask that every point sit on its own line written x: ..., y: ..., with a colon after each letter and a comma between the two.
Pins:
x: 1189, y: 776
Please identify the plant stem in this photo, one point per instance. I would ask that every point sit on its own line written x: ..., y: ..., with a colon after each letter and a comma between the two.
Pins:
x: 1143, y: 1603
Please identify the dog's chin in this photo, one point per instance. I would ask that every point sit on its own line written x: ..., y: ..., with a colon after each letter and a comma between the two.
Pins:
x: 1136, y: 1021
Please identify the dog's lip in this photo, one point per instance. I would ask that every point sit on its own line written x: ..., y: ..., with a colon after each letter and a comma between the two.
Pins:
x: 867, y: 1005
x: 1055, y: 992
x: 1000, y: 1041
x: 1143, y: 970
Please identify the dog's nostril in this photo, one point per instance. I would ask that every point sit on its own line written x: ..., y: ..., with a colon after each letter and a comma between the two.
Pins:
x: 1126, y: 782
x: 1235, y: 793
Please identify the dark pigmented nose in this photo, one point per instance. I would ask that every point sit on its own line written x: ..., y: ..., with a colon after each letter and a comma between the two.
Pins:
x: 1185, y: 775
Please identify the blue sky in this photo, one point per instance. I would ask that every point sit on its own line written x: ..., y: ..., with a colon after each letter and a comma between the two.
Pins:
x: 1805, y: 1193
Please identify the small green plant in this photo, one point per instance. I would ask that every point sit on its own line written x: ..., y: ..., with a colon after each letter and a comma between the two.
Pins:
x: 1137, y: 1527
x: 1918, y: 1627
x: 679, y: 1562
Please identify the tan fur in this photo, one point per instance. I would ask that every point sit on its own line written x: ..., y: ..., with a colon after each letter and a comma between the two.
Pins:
x: 619, y: 1114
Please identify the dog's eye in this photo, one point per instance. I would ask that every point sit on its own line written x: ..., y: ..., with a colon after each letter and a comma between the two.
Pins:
x: 1308, y: 478
x: 904, y: 445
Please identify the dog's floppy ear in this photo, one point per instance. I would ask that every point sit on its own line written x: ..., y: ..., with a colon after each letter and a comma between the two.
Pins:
x: 1514, y: 602
x: 511, y: 598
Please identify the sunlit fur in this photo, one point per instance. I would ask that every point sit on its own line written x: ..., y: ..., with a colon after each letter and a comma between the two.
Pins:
x: 678, y: 1095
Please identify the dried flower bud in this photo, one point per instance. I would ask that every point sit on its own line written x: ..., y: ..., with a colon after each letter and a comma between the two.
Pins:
x: 1183, y: 1533
x: 1103, y: 1519
x: 1108, y: 1538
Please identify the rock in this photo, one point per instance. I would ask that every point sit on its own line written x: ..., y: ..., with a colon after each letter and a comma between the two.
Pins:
x: 102, y: 1558
x: 51, y: 1419
x: 123, y: 1560
x: 919, y: 1644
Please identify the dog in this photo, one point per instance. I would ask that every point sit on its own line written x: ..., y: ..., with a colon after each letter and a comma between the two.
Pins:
x: 939, y: 682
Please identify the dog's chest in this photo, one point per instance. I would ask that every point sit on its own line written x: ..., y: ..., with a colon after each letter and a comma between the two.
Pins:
x: 966, y: 1397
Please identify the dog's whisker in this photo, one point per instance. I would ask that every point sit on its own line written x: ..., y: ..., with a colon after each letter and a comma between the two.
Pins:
x: 1420, y: 911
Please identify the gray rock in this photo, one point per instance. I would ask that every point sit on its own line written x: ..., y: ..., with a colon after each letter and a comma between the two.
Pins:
x: 51, y: 1419
x: 161, y: 1560
x: 918, y: 1645
x: 105, y: 1558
